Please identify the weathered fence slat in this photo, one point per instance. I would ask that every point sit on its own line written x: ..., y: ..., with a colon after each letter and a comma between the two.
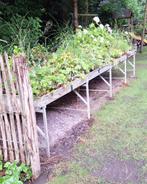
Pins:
x: 28, y: 107
x: 18, y: 130
x: 2, y: 127
x: 6, y: 126
x: 10, y: 109
x: 17, y: 118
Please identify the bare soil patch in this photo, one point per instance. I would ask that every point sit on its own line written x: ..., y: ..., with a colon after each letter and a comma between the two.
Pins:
x: 66, y: 126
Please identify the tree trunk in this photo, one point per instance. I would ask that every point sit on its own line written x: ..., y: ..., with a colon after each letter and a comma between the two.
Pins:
x: 75, y: 16
x: 144, y: 26
x: 87, y: 10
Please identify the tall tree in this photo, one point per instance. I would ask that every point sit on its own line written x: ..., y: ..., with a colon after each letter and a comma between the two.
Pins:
x: 75, y: 5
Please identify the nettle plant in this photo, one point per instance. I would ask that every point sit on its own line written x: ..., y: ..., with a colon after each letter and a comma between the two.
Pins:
x: 80, y: 53
x: 14, y: 173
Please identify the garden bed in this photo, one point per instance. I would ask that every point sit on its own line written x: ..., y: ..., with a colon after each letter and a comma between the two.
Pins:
x: 114, y: 145
x: 42, y: 102
x: 66, y: 127
x: 47, y: 99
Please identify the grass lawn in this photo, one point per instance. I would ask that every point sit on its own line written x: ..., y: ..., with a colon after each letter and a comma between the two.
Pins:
x: 115, y: 149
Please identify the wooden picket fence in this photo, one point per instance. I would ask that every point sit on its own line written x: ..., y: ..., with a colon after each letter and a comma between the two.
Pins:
x: 18, y: 132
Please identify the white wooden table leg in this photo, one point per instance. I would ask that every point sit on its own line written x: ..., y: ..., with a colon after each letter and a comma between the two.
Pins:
x: 88, y: 99
x: 125, y: 71
x: 134, y: 63
x: 110, y: 82
x: 46, y: 130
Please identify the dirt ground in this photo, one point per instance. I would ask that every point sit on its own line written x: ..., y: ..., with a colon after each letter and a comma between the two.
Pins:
x: 110, y: 148
x: 66, y: 113
x: 66, y: 126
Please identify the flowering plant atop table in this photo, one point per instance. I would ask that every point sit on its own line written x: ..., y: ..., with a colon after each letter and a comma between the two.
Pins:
x: 87, y: 49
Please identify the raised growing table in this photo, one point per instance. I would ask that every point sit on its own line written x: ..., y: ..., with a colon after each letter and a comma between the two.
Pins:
x: 40, y: 103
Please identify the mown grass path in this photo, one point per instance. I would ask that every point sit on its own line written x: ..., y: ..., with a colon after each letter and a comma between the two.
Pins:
x: 115, y: 149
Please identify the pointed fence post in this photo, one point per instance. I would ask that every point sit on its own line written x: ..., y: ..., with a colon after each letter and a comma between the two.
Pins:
x: 26, y: 98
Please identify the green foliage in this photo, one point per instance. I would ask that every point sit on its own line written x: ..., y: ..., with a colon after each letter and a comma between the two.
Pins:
x: 1, y: 49
x: 14, y: 173
x: 23, y: 32
x: 77, y: 55
x: 31, y: 8
x: 59, y: 12
x: 39, y: 55
x: 92, y: 6
x: 115, y: 6
x: 136, y: 6
x: 1, y: 166
x: 17, y: 50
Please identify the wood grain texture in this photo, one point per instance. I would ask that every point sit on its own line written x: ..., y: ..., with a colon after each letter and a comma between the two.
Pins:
x: 18, y: 130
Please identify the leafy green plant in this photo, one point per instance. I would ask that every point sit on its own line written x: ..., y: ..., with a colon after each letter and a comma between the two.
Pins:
x: 23, y: 32
x: 17, y: 50
x: 1, y: 166
x: 14, y: 173
x: 78, y: 54
x: 39, y: 55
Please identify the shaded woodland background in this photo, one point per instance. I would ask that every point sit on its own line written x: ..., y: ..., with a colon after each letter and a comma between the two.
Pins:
x: 44, y: 20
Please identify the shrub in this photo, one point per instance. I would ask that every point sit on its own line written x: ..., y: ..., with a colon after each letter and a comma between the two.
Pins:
x: 20, y: 31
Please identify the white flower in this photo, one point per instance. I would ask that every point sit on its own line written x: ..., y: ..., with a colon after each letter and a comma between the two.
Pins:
x: 126, y: 32
x: 79, y: 26
x: 101, y: 26
x: 95, y: 40
x: 109, y: 30
x: 96, y: 20
x: 107, y: 25
x: 85, y: 31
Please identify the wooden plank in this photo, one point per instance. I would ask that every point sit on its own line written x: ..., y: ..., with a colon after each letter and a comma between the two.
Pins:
x: 22, y: 98
x: 86, y: 15
x: 11, y: 116
x: 131, y: 53
x: 5, y: 127
x: 44, y: 100
x: 98, y: 72
x: 23, y: 126
x: 18, y: 130
x: 22, y: 114
x: 119, y: 60
x: 20, y: 138
x: 15, y: 104
x: 28, y: 107
x: 3, y: 148
x: 15, y: 107
x: 40, y: 102
x: 9, y: 137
